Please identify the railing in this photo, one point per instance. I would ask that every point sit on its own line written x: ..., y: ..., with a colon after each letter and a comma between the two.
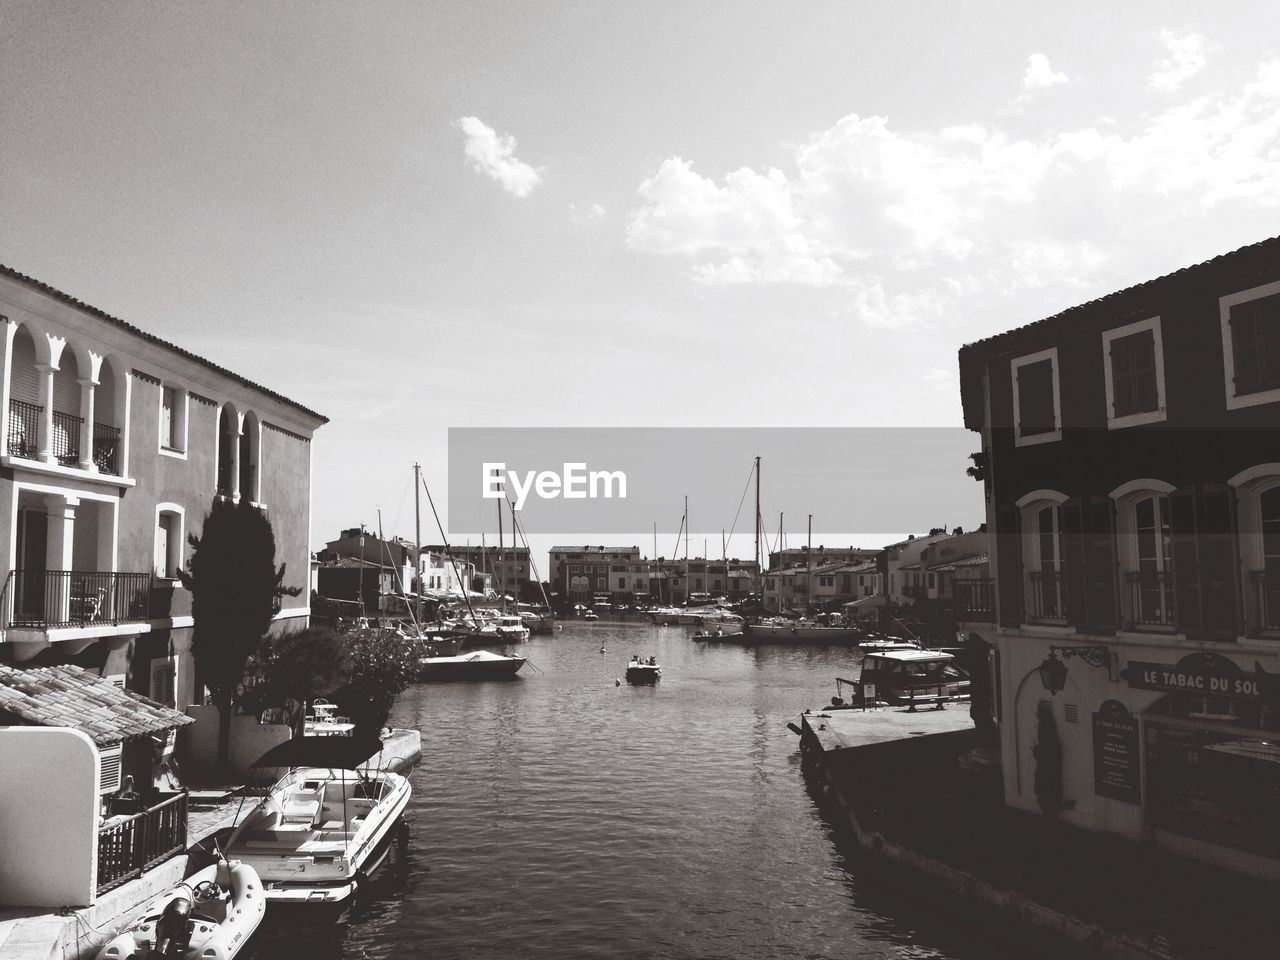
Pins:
x: 106, y: 448
x: 24, y: 428
x: 1268, y: 601
x: 71, y: 598
x: 1151, y: 599
x: 128, y: 847
x: 1048, y: 597
x: 65, y: 442
x: 975, y: 599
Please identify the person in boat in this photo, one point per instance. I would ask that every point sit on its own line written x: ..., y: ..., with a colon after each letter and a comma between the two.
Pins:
x: 653, y: 661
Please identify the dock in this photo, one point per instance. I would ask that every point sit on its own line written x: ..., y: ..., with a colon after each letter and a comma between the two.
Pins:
x: 921, y: 799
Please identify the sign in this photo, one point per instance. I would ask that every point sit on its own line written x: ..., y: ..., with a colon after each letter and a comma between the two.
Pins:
x: 1207, y: 674
x: 1115, y: 753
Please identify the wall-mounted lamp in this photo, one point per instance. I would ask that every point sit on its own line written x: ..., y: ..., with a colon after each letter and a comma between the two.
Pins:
x: 1053, y: 672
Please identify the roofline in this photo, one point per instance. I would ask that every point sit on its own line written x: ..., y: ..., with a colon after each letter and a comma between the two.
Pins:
x: 152, y: 338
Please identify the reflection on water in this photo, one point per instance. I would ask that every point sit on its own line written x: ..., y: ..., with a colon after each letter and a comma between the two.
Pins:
x: 562, y: 815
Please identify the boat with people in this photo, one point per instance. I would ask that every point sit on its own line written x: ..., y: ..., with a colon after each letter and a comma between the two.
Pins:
x: 210, y: 915
x: 640, y: 670
x: 904, y: 678
x: 591, y: 615
x: 475, y: 665
x: 328, y: 823
x: 719, y: 636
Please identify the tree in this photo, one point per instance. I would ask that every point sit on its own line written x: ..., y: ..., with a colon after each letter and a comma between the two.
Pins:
x: 979, y: 469
x: 291, y: 670
x: 380, y: 665
x: 235, y: 591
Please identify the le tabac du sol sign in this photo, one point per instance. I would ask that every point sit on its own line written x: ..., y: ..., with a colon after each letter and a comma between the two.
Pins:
x: 1209, y: 674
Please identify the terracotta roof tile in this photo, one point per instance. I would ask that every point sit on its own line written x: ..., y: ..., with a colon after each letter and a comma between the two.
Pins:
x: 70, y: 696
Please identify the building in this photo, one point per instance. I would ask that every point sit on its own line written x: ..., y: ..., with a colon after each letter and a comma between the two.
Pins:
x: 114, y: 445
x: 1132, y: 473
x: 800, y: 556
x: 580, y: 573
x: 509, y: 565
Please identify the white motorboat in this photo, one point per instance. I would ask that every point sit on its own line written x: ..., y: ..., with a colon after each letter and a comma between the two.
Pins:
x: 538, y: 621
x: 643, y: 671
x: 322, y: 828
x: 212, y: 914
x: 476, y: 665
x: 590, y: 615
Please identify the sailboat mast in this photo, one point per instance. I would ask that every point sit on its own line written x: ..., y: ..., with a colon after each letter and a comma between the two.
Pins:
x: 498, y: 565
x: 687, y: 581
x: 808, y: 560
x: 417, y: 546
x: 759, y: 566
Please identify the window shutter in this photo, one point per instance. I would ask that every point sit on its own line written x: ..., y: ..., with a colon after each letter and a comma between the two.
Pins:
x: 1074, y: 577
x: 109, y: 770
x: 1186, y: 559
x: 1009, y: 565
x: 1100, y: 562
x: 162, y: 681
x: 1216, y: 517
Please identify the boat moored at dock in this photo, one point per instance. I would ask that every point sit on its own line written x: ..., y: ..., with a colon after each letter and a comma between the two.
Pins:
x: 476, y: 665
x: 325, y: 825
x: 781, y: 630
x: 210, y: 915
x: 906, y: 677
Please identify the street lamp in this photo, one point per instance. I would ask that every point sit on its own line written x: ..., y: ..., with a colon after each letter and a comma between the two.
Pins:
x: 1053, y: 672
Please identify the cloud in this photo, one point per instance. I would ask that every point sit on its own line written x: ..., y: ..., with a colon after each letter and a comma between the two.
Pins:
x: 936, y: 375
x: 593, y: 212
x: 1041, y: 76
x: 1186, y: 59
x: 495, y: 155
x: 915, y: 225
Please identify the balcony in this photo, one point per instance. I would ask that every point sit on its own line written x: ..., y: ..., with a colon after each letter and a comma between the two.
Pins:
x: 64, y: 444
x: 44, y: 599
x: 132, y: 843
x: 1267, y: 594
x: 1151, y: 600
x: 975, y: 600
x: 1048, y: 597
x: 24, y: 428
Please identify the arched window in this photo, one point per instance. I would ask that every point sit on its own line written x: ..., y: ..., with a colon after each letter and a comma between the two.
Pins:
x: 1269, y: 510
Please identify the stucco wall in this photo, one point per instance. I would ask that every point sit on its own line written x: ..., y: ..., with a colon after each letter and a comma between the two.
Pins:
x: 48, y: 817
x: 198, y: 743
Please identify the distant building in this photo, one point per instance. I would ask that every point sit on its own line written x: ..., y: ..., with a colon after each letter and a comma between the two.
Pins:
x: 509, y: 565
x: 580, y: 573
x: 819, y: 556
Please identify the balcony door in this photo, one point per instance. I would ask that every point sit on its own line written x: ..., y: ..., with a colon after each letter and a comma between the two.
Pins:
x: 32, y: 554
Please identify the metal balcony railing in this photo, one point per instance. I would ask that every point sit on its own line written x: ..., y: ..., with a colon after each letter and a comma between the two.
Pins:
x: 75, y: 598
x: 64, y: 444
x: 975, y: 599
x: 1151, y: 599
x: 140, y: 841
x: 24, y: 428
x: 106, y: 448
x: 1048, y: 597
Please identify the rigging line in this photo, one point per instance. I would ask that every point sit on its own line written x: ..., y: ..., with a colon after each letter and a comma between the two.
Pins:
x: 404, y: 595
x: 466, y: 591
x: 741, y: 500
x: 676, y: 552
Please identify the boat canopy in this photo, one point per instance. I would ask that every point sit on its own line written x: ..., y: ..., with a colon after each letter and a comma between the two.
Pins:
x: 335, y: 753
x: 910, y: 656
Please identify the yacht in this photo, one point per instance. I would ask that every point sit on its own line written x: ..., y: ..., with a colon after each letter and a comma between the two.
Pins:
x: 476, y: 665
x: 325, y: 825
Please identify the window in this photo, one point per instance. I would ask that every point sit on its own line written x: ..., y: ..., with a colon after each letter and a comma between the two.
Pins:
x: 173, y: 420
x: 1251, y: 345
x: 1134, y: 366
x: 622, y: 583
x: 1154, y: 589
x: 1036, y: 406
x: 1269, y: 510
x: 109, y: 770
x: 931, y: 581
x: 1046, y: 574
x: 162, y: 681
x: 168, y: 557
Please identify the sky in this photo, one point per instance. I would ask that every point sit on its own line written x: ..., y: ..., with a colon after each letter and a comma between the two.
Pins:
x: 418, y: 216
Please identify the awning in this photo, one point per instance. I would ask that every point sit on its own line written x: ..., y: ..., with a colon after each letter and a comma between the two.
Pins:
x: 71, y: 696
x: 335, y: 753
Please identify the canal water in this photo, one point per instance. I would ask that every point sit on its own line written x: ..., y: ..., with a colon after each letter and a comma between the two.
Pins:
x: 560, y: 815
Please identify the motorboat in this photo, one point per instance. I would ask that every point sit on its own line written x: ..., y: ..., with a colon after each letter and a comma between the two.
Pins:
x: 507, y: 628
x: 782, y: 630
x: 212, y: 914
x: 719, y: 636
x: 904, y: 678
x: 476, y: 665
x: 538, y: 621
x: 643, y: 671
x: 590, y: 615
x: 327, y: 824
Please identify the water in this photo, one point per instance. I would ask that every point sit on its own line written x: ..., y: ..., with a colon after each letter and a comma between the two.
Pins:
x: 561, y: 816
